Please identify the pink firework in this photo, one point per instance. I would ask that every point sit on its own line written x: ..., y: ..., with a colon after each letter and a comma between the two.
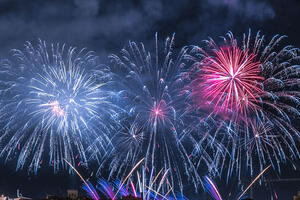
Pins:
x: 229, y: 80
x: 56, y: 109
x: 158, y: 112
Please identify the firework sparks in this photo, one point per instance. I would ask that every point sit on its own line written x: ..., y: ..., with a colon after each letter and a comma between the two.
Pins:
x: 230, y: 80
x: 247, y: 89
x: 151, y: 90
x: 212, y: 188
x: 54, y: 99
x: 256, y: 178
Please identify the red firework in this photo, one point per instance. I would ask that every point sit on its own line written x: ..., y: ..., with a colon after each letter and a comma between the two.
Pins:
x: 229, y: 80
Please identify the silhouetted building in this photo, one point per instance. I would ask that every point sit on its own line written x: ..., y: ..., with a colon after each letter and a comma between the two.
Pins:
x: 21, y: 197
x: 72, y: 194
x: 2, y: 197
x: 297, y: 197
x: 53, y: 197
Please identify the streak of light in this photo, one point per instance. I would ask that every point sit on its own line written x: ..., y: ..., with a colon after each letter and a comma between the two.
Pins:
x: 257, y: 177
x: 87, y: 185
x: 128, y: 176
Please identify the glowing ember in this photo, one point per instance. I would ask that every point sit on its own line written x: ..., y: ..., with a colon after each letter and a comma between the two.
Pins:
x: 56, y: 109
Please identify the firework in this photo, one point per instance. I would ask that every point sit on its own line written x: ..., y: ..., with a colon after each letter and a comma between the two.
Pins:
x: 250, y: 185
x: 252, y: 92
x: 56, y: 100
x: 116, y: 190
x: 230, y: 80
x: 91, y: 191
x: 151, y: 91
x: 212, y: 188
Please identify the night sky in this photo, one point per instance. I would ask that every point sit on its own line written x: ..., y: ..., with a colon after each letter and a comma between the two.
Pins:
x: 105, y: 26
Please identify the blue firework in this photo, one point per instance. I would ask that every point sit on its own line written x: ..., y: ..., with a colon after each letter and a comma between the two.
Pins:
x: 152, y: 91
x: 54, y: 101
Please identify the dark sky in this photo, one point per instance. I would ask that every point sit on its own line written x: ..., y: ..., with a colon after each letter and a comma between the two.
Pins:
x: 105, y: 26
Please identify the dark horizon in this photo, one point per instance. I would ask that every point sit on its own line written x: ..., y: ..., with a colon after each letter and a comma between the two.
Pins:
x: 48, y: 183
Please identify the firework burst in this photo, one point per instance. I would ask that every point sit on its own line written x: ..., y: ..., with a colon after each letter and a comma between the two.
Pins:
x: 230, y: 80
x: 252, y: 91
x: 54, y: 100
x: 152, y: 94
